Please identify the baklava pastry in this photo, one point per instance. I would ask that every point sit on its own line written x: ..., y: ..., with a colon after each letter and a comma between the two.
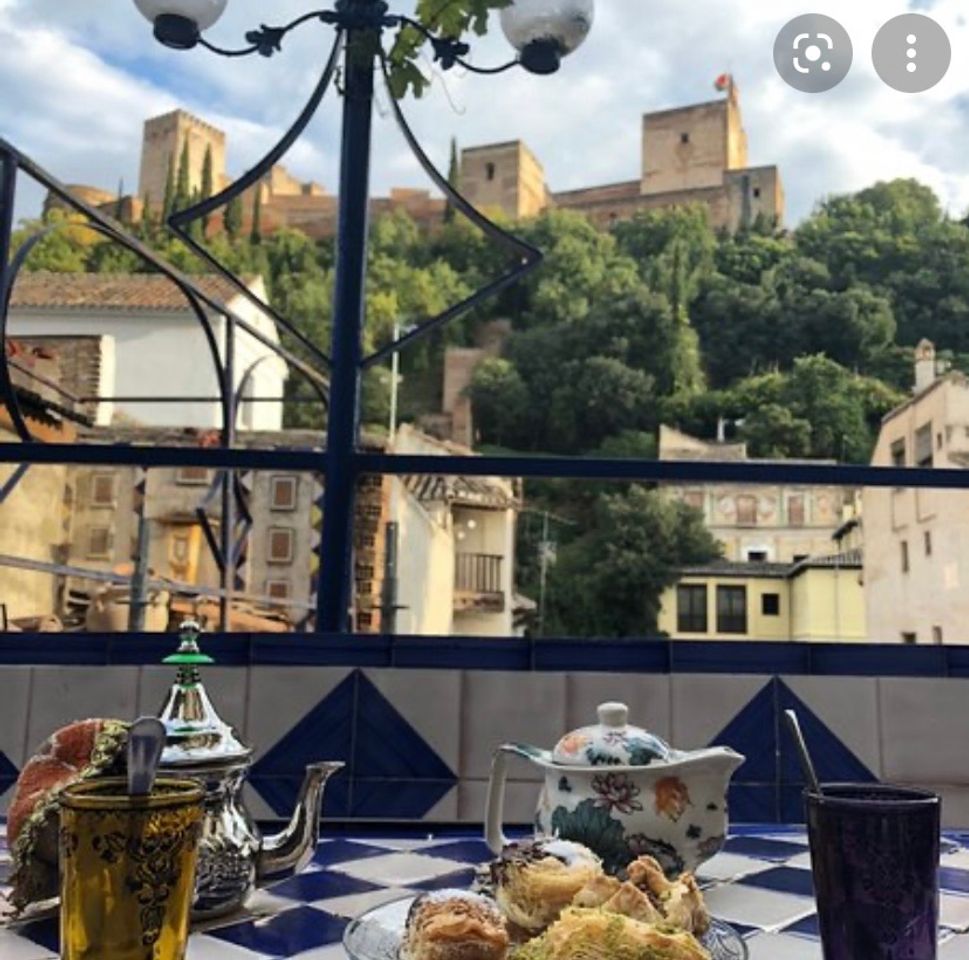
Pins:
x: 597, y: 935
x: 454, y: 925
x: 536, y: 880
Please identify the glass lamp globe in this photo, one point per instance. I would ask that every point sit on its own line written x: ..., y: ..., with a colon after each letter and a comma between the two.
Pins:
x: 544, y: 31
x: 178, y: 23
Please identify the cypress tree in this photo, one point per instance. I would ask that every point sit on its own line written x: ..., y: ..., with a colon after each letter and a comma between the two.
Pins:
x: 232, y: 218
x: 453, y: 178
x: 168, y: 205
x: 255, y: 235
x: 207, y: 185
x: 183, y: 182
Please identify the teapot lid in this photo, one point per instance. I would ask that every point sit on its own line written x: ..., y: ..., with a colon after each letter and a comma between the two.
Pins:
x: 196, y: 735
x: 611, y: 742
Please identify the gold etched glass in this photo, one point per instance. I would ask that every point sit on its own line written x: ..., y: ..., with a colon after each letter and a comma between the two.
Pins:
x: 128, y: 869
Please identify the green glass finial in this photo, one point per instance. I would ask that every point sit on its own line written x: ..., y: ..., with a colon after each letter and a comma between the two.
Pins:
x: 188, y: 657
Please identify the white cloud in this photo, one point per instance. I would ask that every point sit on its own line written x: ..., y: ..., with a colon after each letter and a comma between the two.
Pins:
x: 79, y: 79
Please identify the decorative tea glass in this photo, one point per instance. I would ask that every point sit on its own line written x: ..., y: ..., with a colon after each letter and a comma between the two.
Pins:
x: 875, y: 856
x: 128, y: 869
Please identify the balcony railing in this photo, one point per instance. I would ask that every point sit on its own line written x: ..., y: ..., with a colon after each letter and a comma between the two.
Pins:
x: 477, y: 581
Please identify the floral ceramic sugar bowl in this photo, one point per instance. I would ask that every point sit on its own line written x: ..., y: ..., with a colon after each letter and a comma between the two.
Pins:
x: 624, y: 793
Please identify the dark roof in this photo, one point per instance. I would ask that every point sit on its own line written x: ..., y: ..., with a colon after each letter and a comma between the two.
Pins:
x: 850, y: 560
x: 42, y: 289
x: 734, y: 568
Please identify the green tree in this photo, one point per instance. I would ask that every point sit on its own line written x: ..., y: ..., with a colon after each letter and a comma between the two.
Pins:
x: 609, y: 579
x: 183, y: 181
x: 255, y: 230
x: 453, y: 178
x: 500, y: 402
x: 232, y: 218
x: 773, y: 432
x: 168, y: 202
x: 208, y: 185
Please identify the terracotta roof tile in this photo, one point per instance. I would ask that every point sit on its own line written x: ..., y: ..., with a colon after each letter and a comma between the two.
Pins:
x: 110, y: 291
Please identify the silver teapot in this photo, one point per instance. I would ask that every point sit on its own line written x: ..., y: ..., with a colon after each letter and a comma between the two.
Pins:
x: 234, y: 858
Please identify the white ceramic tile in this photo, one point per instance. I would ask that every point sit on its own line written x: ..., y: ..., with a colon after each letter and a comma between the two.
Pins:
x: 957, y: 948
x: 509, y: 707
x: 925, y: 727
x: 757, y: 908
x: 356, y: 904
x: 203, y: 947
x: 281, y: 696
x: 954, y: 912
x: 63, y: 695
x: 780, y: 946
x: 14, y: 694
x: 226, y: 687
x: 729, y: 866
x: 802, y: 860
x: 399, y: 869
x: 13, y: 947
x: 955, y: 803
x: 430, y: 701
x: 958, y: 860
x: 648, y: 698
x: 521, y: 801
x: 848, y: 706
x: 704, y: 705
x: 334, y: 951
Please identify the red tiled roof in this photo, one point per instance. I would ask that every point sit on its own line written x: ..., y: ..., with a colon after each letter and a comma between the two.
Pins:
x: 110, y: 291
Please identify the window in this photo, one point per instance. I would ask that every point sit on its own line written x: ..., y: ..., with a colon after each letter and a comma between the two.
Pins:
x: 928, y: 543
x: 278, y: 589
x: 490, y: 171
x: 924, y: 455
x: 684, y: 138
x: 800, y: 557
x: 747, y: 511
x: 910, y: 638
x: 770, y: 604
x: 795, y: 511
x: 757, y: 556
x: 756, y: 193
x: 691, y: 608
x: 937, y: 636
x: 102, y: 490
x: 898, y: 453
x: 280, y: 545
x: 732, y: 610
x: 180, y: 549
x: 939, y: 441
x: 905, y: 562
x: 282, y: 494
x: 192, y: 476
x: 99, y: 544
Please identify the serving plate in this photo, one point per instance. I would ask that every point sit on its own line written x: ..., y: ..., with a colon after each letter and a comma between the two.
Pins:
x: 377, y: 935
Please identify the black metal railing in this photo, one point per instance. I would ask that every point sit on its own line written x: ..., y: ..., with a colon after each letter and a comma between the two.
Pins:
x: 478, y: 573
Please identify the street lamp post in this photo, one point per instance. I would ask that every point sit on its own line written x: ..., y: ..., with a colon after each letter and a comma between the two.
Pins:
x: 542, y: 31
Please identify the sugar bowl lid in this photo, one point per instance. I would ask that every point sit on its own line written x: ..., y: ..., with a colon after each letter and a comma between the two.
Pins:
x: 612, y: 742
x: 196, y: 735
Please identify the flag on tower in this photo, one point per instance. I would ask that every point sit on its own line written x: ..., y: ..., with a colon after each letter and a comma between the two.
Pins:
x: 724, y: 83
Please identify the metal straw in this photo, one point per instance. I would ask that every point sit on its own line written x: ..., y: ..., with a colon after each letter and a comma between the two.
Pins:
x: 810, y: 775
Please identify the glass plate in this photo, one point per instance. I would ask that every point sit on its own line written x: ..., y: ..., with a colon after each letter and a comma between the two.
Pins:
x: 377, y: 935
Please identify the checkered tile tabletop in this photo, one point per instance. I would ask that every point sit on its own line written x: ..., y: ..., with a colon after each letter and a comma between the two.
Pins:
x: 761, y: 883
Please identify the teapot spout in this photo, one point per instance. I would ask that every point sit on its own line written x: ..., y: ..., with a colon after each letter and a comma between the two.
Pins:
x: 285, y: 854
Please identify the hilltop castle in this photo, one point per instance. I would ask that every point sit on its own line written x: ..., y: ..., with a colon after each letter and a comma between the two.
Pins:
x: 693, y: 154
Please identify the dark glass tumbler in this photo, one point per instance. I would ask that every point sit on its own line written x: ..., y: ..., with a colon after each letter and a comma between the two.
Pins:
x: 875, y: 856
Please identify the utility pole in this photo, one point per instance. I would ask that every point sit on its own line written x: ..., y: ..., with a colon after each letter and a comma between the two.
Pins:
x: 544, y: 549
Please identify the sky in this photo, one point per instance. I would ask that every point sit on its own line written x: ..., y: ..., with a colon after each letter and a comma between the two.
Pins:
x: 79, y: 77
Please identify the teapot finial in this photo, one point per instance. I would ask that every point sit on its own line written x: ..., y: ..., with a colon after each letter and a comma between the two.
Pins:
x: 188, y: 657
x: 613, y: 714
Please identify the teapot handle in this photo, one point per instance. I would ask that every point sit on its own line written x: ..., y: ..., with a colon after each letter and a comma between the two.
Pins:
x: 495, y: 809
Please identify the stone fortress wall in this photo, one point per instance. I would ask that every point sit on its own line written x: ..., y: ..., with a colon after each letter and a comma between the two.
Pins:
x: 691, y: 154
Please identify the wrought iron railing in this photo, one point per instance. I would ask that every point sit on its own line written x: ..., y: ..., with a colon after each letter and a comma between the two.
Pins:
x: 478, y: 573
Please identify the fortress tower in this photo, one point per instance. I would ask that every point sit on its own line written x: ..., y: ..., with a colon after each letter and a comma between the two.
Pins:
x: 506, y: 177
x: 163, y: 142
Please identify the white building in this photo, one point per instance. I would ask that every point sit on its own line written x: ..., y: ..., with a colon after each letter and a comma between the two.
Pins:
x: 917, y: 541
x: 152, y: 346
x: 456, y: 548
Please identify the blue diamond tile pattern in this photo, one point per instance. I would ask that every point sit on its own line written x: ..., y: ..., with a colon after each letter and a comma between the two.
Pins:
x: 391, y: 771
x: 767, y: 898
x: 768, y: 787
x: 8, y: 773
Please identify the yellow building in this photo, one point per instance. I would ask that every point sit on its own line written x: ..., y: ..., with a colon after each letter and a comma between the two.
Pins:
x: 816, y: 600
